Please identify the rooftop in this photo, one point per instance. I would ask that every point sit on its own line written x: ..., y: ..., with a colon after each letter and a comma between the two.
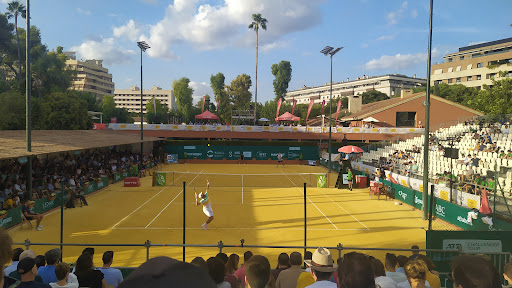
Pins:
x: 486, y: 44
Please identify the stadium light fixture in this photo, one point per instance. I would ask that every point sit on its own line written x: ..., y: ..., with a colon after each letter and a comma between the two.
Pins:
x: 143, y: 47
x: 330, y: 51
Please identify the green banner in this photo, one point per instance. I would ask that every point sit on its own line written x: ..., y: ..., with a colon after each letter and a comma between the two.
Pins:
x: 321, y: 181
x: 13, y: 217
x: 220, y: 152
x: 45, y: 204
x: 117, y: 177
x: 161, y: 179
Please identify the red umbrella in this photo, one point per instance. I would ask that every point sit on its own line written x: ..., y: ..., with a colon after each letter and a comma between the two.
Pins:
x: 350, y: 149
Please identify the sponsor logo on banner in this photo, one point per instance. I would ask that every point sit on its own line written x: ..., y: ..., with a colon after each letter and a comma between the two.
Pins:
x: 209, y: 153
x: 262, y: 155
x: 160, y: 179
x: 420, y: 187
x: 472, y: 203
x: 48, y: 204
x: 445, y: 195
x: 464, y: 220
x: 100, y: 184
x: 247, y: 154
x: 473, y: 245
x: 189, y: 147
x: 440, y: 210
x: 402, y: 194
x: 294, y: 148
x: 5, y: 221
x: 418, y: 200
x: 321, y: 181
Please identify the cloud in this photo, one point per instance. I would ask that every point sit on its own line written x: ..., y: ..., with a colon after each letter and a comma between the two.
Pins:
x: 130, y: 31
x: 224, y: 24
x: 83, y: 11
x: 398, y: 61
x: 393, y: 17
x: 414, y: 13
x: 386, y: 37
x: 200, y: 89
x: 274, y: 45
x: 364, y: 45
x: 104, y: 49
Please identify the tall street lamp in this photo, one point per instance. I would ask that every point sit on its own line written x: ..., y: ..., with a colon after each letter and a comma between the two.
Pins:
x: 143, y: 47
x: 328, y: 50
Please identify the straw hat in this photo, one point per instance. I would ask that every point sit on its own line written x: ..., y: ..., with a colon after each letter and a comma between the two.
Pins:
x: 322, y: 261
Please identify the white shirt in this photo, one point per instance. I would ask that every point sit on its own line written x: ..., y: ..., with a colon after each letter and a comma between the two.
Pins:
x: 385, y: 282
x: 406, y: 284
x: 68, y: 285
x: 224, y: 285
x: 396, y: 276
x: 323, y: 284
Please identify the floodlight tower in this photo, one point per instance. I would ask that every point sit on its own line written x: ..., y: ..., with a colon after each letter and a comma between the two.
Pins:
x: 143, y: 47
x: 329, y: 51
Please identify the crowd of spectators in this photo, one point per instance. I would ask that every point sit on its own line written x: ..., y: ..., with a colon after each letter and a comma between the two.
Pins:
x: 72, y: 172
x: 316, y: 270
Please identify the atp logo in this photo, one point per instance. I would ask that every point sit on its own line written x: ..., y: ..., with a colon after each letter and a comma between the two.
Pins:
x: 402, y: 194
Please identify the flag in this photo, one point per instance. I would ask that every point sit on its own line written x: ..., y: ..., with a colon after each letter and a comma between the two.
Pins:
x: 309, y: 108
x: 279, y: 106
x: 323, y: 105
x: 484, y: 207
x: 202, y: 108
x: 293, y: 107
x: 154, y: 104
x: 338, y: 110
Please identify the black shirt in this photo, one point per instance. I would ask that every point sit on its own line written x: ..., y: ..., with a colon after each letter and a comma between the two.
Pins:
x: 33, y: 284
x: 26, y: 209
x: 91, y: 278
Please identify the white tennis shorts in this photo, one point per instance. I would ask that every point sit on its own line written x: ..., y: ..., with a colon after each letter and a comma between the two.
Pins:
x: 208, y: 211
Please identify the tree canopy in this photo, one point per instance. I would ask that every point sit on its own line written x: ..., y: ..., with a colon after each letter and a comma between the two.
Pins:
x: 183, y: 93
x: 283, y: 75
x: 373, y: 96
x: 239, y: 92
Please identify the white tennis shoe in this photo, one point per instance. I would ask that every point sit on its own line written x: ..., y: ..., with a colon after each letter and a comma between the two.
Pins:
x: 204, y: 226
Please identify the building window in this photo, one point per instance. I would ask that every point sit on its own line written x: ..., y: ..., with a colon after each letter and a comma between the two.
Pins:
x: 478, y: 87
x: 450, y: 59
x: 480, y: 65
x: 478, y: 77
x: 405, y: 119
x: 458, y: 68
x: 461, y: 57
x: 449, y: 81
x: 470, y: 78
x: 458, y: 80
x: 450, y: 69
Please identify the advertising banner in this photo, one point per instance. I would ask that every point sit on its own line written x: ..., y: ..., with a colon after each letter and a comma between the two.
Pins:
x: 323, y: 106
x: 11, y: 218
x: 338, y: 109
x: 309, y: 108
x: 293, y: 107
x: 99, y: 126
x: 161, y: 178
x: 172, y: 158
x: 279, y: 102
x: 321, y: 181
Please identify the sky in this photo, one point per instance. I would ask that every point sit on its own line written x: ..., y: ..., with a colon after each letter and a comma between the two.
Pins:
x: 198, y: 38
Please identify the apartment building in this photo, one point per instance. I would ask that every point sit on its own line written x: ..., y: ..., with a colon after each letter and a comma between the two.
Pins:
x: 475, y: 65
x: 130, y: 98
x: 91, y: 76
x: 390, y: 84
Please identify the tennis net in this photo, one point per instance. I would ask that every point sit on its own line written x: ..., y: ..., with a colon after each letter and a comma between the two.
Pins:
x: 283, y: 180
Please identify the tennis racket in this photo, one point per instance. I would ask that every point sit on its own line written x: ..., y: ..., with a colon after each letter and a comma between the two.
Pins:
x: 195, y: 193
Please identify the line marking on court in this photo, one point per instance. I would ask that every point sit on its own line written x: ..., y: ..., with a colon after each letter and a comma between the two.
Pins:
x: 310, y: 201
x: 173, y: 199
x: 242, y: 189
x: 115, y: 225
x: 235, y: 228
x: 345, y: 210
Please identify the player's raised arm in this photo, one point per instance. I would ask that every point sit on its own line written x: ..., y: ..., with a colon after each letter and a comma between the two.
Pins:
x: 207, y: 185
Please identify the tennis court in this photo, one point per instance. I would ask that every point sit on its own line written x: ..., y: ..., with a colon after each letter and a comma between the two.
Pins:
x: 263, y: 209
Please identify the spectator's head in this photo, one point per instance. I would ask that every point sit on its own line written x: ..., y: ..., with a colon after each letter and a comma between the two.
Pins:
x: 428, y: 261
x: 223, y: 257
x: 295, y: 259
x: 378, y: 268
x: 52, y: 256
x: 16, y: 254
x: 90, y: 251
x: 416, y: 271
x: 257, y: 272
x: 62, y: 271
x: 415, y: 248
x: 29, y: 253
x: 283, y: 260
x: 40, y: 261
x: 507, y: 273
x: 108, y: 257
x: 5, y: 252
x: 233, y: 261
x: 199, y: 262
x: 322, y: 265
x: 27, y: 269
x: 390, y: 262
x: 247, y: 256
x: 308, y: 255
x: 83, y: 264
x: 472, y: 271
x: 159, y: 272
x: 355, y: 271
x: 216, y: 269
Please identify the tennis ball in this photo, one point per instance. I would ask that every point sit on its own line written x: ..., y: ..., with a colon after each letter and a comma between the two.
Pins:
x: 208, y: 144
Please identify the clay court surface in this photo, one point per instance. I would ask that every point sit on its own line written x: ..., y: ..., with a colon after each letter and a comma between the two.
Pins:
x: 254, y: 210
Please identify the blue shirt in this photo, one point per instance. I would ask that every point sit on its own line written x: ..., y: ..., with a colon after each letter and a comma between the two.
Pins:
x: 48, y: 274
x: 113, y: 276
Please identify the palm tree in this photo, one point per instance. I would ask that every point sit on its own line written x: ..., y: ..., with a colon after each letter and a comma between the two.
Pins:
x: 258, y: 22
x: 14, y: 9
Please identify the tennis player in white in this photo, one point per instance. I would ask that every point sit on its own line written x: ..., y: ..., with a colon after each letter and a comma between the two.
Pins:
x: 203, y: 198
